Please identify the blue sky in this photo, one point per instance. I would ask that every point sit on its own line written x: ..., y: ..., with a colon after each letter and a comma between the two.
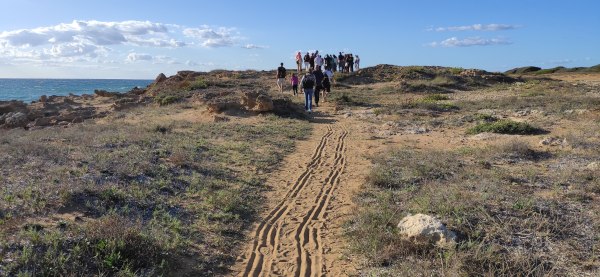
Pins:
x: 140, y: 39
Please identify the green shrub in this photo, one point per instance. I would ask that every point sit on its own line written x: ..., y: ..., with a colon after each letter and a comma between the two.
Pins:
x: 166, y: 99
x: 505, y: 127
x: 435, y: 97
x: 199, y: 83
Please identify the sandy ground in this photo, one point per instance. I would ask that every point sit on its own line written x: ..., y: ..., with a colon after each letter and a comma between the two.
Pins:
x: 311, y: 198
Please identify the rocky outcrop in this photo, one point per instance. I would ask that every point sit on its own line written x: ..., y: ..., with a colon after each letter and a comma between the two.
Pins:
x: 160, y: 78
x: 14, y: 120
x: 425, y: 229
x: 257, y: 101
x: 104, y: 93
x: 12, y: 106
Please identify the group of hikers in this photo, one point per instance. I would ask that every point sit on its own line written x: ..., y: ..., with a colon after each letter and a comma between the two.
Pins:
x: 342, y: 62
x: 319, y: 75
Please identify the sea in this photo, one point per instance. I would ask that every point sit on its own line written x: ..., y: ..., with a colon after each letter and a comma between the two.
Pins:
x: 29, y: 90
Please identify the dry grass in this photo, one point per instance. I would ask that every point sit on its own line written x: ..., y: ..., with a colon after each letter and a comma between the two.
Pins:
x: 166, y: 197
x: 518, y: 209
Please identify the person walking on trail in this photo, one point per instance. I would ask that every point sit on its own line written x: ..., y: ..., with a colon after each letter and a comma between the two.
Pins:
x: 329, y: 74
x: 333, y: 63
x: 350, y: 61
x: 307, y: 61
x: 294, y: 82
x: 318, y: 84
x: 308, y: 86
x: 299, y: 61
x: 357, y: 63
x: 326, y: 84
x: 281, y: 77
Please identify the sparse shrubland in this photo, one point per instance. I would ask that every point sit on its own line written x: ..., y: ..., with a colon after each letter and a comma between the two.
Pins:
x: 166, y: 197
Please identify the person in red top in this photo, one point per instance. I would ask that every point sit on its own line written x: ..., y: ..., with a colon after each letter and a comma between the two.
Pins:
x: 294, y: 82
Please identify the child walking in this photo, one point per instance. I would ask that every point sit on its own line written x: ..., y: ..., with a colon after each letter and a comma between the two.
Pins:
x: 294, y: 81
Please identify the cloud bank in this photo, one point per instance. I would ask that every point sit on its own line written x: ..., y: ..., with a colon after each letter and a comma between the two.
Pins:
x: 96, y: 41
x: 476, y: 27
x: 472, y: 41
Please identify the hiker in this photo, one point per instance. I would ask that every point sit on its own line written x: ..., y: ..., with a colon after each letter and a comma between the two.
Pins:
x: 312, y: 60
x: 333, y: 63
x: 318, y: 62
x: 294, y: 82
x: 341, y: 62
x: 318, y: 84
x: 350, y: 61
x: 326, y: 84
x: 307, y: 61
x: 299, y: 61
x: 357, y: 63
x: 280, y: 77
x: 308, y: 85
x: 327, y: 62
x: 329, y: 74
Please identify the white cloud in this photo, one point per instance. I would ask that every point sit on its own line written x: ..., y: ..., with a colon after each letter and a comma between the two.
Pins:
x: 253, y: 46
x: 472, y: 41
x: 212, y: 38
x: 476, y: 27
x: 135, y: 57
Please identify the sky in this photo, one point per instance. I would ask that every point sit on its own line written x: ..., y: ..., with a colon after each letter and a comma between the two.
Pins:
x: 140, y: 39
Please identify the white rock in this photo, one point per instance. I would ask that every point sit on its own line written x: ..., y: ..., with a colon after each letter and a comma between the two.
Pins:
x: 426, y: 229
x: 593, y: 166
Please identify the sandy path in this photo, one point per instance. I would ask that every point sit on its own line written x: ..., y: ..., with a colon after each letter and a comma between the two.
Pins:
x: 300, y: 233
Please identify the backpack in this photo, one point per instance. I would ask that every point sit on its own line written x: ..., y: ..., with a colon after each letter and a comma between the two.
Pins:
x: 309, y: 81
x: 325, y: 81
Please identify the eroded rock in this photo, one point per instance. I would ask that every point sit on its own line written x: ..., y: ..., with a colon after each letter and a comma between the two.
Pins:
x: 421, y: 228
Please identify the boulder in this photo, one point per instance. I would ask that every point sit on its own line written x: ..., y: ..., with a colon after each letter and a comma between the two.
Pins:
x: 249, y: 99
x: 554, y: 141
x: 257, y: 101
x: 104, y: 93
x: 264, y: 103
x: 160, y: 78
x: 12, y: 106
x: 15, y: 120
x: 425, y: 229
x: 593, y: 166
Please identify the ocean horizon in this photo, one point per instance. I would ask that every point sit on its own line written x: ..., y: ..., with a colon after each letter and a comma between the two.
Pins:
x: 30, y: 89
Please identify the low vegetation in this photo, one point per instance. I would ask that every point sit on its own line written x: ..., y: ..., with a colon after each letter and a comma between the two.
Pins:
x: 510, y: 221
x: 120, y: 198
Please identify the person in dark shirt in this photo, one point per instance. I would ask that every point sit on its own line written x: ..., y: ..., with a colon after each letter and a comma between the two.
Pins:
x: 318, y: 84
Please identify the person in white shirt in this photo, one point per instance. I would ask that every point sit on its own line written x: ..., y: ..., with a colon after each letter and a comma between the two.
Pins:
x: 318, y: 62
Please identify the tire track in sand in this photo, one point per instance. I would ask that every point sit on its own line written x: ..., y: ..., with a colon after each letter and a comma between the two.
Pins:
x: 288, y: 242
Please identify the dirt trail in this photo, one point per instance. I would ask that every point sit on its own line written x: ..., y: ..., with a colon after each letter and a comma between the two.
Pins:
x: 300, y: 234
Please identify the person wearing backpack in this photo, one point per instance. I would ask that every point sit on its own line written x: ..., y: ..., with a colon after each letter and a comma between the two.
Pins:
x: 281, y: 77
x: 318, y: 84
x: 308, y: 85
x: 341, y: 62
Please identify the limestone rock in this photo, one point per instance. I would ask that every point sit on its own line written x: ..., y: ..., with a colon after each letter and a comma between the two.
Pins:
x: 160, y: 78
x: 15, y: 120
x: 12, y: 106
x: 104, y: 93
x: 593, y: 166
x: 421, y: 228
x: 257, y: 101
x: 264, y: 103
x: 554, y: 141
